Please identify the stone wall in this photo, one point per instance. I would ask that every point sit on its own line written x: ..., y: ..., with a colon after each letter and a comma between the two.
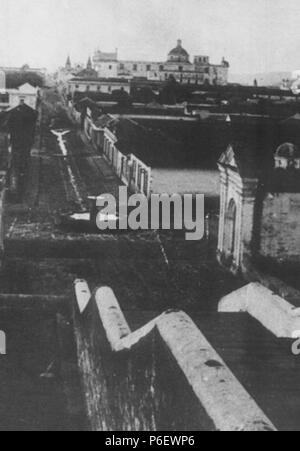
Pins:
x: 163, y: 377
x: 280, y: 228
x: 275, y: 313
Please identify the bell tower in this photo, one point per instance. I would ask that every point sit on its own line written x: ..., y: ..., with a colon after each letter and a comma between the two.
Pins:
x: 89, y: 65
x: 68, y: 64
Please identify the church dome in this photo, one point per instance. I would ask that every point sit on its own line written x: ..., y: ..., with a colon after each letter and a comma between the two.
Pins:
x: 179, y: 53
x: 288, y: 151
x: 287, y: 156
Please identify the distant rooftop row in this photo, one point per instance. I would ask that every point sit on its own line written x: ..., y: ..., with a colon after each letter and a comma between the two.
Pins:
x: 178, y: 65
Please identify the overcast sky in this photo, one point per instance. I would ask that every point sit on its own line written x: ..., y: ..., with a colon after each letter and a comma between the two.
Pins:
x: 254, y: 35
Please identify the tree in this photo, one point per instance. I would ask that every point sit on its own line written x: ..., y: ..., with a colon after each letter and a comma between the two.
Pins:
x: 122, y: 97
x: 144, y: 95
x: 168, y: 93
x: 16, y: 79
x: 174, y: 92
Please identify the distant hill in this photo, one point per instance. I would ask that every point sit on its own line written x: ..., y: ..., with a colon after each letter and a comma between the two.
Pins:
x: 263, y: 79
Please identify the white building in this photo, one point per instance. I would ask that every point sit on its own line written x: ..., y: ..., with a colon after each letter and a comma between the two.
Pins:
x: 2, y: 80
x: 106, y: 64
x: 100, y: 85
x: 11, y: 98
x: 4, y: 97
x: 178, y: 65
x: 26, y: 93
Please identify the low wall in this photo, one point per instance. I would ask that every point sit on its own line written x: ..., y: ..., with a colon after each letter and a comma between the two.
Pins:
x: 272, y: 311
x: 162, y: 377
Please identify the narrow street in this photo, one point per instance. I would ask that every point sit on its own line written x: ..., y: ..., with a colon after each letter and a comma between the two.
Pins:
x: 45, y: 254
x: 149, y: 273
x: 135, y: 266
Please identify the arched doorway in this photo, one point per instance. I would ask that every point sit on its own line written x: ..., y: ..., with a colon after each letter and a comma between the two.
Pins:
x: 230, y: 229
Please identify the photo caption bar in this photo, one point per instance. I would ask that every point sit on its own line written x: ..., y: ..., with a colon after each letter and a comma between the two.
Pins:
x: 140, y: 440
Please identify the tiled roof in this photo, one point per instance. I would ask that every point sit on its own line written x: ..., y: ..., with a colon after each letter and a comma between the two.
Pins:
x: 105, y: 56
x: 20, y: 116
x: 161, y: 143
x: 104, y: 121
x: 87, y: 73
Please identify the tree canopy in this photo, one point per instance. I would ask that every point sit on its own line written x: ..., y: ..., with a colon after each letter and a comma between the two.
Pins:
x: 16, y: 79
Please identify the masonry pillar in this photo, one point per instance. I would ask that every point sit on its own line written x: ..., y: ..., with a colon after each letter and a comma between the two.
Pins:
x: 223, y: 204
x: 248, y: 216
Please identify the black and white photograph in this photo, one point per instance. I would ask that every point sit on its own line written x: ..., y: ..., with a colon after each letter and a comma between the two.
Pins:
x: 150, y: 218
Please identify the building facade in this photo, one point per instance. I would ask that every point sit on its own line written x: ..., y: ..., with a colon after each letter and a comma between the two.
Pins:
x: 130, y: 169
x: 24, y: 94
x: 12, y: 98
x: 178, y: 65
x: 135, y: 174
x: 100, y: 85
x: 2, y: 80
x: 260, y: 208
x: 106, y: 64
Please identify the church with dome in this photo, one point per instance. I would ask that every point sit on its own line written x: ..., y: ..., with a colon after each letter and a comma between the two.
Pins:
x: 178, y: 65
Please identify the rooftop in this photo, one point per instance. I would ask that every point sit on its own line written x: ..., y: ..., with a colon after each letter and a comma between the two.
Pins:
x: 22, y: 114
x: 106, y: 56
x: 196, y: 144
x: 100, y: 80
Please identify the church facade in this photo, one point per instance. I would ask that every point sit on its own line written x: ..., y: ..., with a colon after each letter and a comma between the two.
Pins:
x: 177, y: 65
x: 260, y: 205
